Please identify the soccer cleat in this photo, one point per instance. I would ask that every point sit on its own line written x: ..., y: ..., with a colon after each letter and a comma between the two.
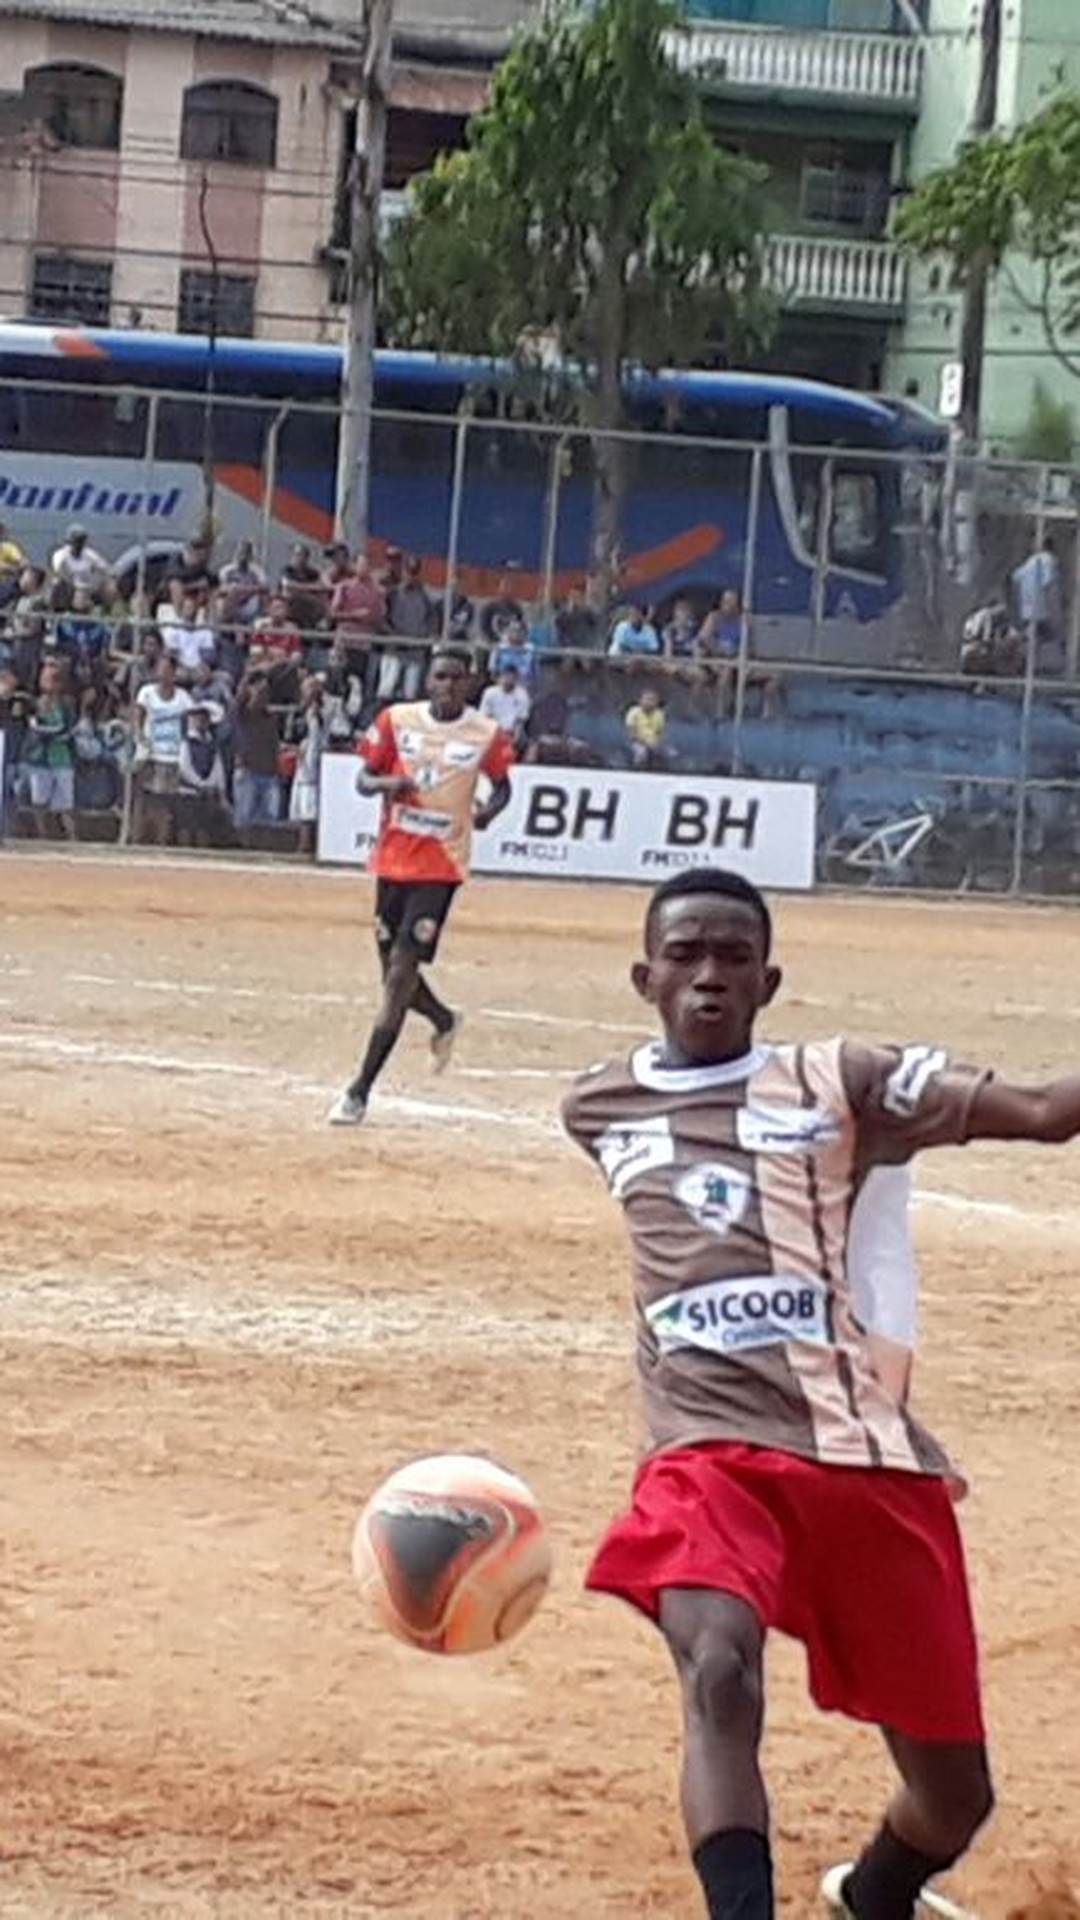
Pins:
x: 348, y: 1110
x: 931, y: 1906
x: 442, y: 1044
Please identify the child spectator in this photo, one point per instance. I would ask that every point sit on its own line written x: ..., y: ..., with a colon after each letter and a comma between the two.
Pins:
x: 508, y: 703
x: 645, y: 725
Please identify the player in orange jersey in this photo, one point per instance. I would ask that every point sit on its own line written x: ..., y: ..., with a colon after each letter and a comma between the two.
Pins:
x: 425, y: 757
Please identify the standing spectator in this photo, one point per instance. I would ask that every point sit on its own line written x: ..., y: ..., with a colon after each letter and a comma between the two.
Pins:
x: 256, y: 744
x: 508, y: 703
x: 634, y: 635
x: 514, y: 650
x: 160, y: 711
x: 243, y: 587
x: 201, y: 813
x: 16, y: 707
x: 645, y: 725
x: 77, y: 563
x: 460, y: 618
x: 312, y: 733
x: 501, y: 614
x: 358, y: 608
x: 97, y: 779
x: 49, y: 753
x: 412, y: 613
x: 12, y: 566
x: 302, y: 589
x: 1037, y: 585
x: 278, y: 631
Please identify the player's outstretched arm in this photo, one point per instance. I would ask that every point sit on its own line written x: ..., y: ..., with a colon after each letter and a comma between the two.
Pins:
x: 497, y: 800
x: 1050, y: 1113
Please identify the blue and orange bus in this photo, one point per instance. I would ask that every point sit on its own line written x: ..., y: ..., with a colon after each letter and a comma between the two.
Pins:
x: 120, y: 429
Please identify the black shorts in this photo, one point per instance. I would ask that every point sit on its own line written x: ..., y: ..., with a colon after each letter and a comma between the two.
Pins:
x: 414, y: 912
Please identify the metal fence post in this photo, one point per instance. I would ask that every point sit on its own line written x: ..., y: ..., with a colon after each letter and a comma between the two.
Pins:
x: 457, y: 493
x: 749, y: 578
x: 270, y: 460
x: 551, y: 521
x: 149, y: 461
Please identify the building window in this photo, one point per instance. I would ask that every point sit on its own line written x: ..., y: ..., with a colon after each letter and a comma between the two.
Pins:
x: 218, y: 303
x: 845, y: 197
x: 81, y: 106
x: 230, y: 120
x: 65, y: 288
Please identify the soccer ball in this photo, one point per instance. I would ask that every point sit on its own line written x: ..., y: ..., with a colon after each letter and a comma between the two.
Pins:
x: 453, y: 1554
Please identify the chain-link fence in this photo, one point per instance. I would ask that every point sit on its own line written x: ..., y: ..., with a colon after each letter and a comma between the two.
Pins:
x: 897, y: 624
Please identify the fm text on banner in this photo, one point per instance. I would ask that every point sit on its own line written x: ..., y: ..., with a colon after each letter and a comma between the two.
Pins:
x: 577, y: 823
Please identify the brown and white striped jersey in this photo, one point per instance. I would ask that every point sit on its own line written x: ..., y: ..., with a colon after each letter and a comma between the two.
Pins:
x: 738, y: 1183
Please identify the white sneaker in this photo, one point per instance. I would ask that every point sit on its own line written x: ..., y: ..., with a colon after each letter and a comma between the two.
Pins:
x: 442, y: 1044
x: 929, y: 1904
x: 832, y: 1888
x: 348, y: 1110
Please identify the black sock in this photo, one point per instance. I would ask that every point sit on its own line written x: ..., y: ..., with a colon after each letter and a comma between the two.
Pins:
x: 379, y: 1048
x: 735, y: 1870
x: 888, y: 1878
x: 430, y: 1007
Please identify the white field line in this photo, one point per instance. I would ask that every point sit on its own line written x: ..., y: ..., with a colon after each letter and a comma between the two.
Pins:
x: 104, y: 1053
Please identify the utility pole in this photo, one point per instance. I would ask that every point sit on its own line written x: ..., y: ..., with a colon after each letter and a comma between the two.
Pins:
x: 973, y: 312
x: 365, y: 182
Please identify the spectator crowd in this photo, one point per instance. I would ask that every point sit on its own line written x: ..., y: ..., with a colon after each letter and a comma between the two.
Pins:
x: 201, y: 710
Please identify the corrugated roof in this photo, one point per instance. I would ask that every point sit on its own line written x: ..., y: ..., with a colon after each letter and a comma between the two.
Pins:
x: 272, y: 22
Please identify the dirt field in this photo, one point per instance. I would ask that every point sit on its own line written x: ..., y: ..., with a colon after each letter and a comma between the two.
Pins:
x: 221, y: 1323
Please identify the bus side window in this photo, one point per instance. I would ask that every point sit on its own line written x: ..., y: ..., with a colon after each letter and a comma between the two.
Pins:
x: 236, y: 433
x: 855, y: 536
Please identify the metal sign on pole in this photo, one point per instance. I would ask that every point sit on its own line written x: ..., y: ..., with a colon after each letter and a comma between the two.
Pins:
x: 365, y: 193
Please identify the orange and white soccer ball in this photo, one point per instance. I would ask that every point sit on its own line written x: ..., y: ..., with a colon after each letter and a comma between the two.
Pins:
x: 453, y: 1554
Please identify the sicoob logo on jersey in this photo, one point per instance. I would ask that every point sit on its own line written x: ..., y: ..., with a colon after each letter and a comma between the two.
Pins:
x: 716, y: 1195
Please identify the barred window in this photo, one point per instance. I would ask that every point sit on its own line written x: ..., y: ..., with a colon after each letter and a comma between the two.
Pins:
x: 67, y: 288
x: 81, y: 106
x: 230, y: 120
x: 220, y: 303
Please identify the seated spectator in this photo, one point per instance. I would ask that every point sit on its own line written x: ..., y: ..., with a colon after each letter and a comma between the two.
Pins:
x: 577, y: 628
x: 193, y: 573
x: 243, y: 588
x: 634, y: 635
x: 160, y: 709
x: 33, y: 594
x: 460, y: 619
x: 78, y: 564
x: 720, y: 636
x: 12, y: 566
x: 303, y: 590
x: 991, y: 644
x: 49, y: 754
x: 681, y: 632
x: 278, y: 632
x: 190, y: 639
x: 508, y: 703
x: 645, y: 724
x: 201, y: 809
x: 514, y: 650
x: 337, y: 566
x: 256, y: 745
x: 82, y: 634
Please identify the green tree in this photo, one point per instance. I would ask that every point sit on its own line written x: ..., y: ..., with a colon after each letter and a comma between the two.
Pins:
x: 592, y: 207
x: 1012, y: 197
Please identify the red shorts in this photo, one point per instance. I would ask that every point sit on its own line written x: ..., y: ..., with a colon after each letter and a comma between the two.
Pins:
x: 864, y: 1565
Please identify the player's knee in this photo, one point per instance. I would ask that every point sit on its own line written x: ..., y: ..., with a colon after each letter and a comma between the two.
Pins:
x: 720, y: 1670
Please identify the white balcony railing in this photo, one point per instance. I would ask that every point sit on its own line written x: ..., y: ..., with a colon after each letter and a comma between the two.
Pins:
x: 878, y: 69
x: 849, y: 275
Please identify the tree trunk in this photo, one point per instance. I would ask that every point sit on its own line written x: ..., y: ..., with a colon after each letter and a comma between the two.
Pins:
x: 610, y: 462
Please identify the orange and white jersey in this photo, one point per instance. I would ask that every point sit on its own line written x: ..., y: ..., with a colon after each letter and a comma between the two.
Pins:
x: 427, y: 835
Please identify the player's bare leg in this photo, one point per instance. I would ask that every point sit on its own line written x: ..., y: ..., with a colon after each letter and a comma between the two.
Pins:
x: 717, y: 1643
x: 399, y: 986
x: 945, y: 1798
x: 446, y: 1024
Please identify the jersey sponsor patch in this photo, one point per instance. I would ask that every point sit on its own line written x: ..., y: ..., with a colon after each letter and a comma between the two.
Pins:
x: 625, y: 1153
x: 716, y: 1195
x: 461, y: 753
x: 909, y: 1080
x: 765, y: 1129
x: 429, y: 824
x: 730, y: 1316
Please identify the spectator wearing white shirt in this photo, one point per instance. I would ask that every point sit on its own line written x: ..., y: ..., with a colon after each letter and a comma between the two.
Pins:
x: 77, y: 563
x: 634, y: 634
x: 1037, y: 586
x: 161, y: 709
x: 508, y: 703
x: 190, y: 639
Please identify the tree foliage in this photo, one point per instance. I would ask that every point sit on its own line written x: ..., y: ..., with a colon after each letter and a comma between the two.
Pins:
x: 590, y: 207
x: 1012, y: 196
